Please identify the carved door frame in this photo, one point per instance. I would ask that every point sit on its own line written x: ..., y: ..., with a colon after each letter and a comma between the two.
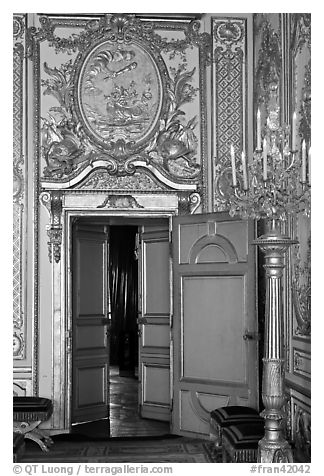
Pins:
x: 62, y: 307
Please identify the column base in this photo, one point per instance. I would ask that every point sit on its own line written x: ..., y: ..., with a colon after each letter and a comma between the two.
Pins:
x: 274, y: 452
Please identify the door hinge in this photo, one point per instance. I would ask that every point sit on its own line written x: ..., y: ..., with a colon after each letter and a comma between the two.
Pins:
x: 171, y: 321
x: 251, y: 336
x: 170, y: 244
x: 68, y: 337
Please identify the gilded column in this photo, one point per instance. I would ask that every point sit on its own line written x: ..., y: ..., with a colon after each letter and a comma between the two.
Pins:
x: 273, y: 448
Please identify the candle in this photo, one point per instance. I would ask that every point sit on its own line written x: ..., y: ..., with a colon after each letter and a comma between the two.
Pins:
x: 309, y: 165
x: 233, y: 165
x: 293, y: 132
x: 259, y: 130
x: 303, y: 171
x: 245, y: 182
x: 265, y: 165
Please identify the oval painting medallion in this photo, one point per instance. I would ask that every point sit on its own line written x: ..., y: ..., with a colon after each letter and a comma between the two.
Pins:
x: 119, y: 93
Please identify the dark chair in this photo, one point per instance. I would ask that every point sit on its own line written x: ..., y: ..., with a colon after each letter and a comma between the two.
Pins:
x: 18, y: 446
x: 240, y: 442
x: 232, y: 415
x: 28, y: 414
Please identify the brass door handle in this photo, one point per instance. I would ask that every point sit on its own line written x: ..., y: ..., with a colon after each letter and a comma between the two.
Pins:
x: 141, y: 320
x: 251, y: 336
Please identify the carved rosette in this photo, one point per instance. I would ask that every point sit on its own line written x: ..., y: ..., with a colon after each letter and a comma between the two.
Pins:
x: 230, y: 86
x: 18, y: 27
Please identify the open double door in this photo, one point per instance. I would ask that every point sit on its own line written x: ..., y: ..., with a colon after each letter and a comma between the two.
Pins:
x: 196, y: 321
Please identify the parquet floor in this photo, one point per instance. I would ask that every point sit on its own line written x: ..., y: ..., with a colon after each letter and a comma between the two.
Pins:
x: 124, y: 418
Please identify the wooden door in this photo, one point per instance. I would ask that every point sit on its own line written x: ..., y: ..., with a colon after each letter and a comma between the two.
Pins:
x: 154, y: 322
x: 90, y: 325
x: 214, y: 327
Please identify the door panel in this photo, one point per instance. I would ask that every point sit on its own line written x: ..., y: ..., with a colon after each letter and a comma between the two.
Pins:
x: 90, y: 358
x: 154, y: 323
x: 214, y: 306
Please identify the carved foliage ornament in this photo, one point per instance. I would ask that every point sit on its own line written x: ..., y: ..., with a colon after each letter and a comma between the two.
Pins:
x: 118, y: 103
x: 269, y: 62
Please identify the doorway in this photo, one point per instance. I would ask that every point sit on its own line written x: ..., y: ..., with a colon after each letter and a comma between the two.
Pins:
x: 106, y: 264
x: 182, y: 373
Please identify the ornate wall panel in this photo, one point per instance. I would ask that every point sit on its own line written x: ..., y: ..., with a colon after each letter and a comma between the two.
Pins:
x: 229, y: 99
x: 19, y: 190
x: 124, y: 99
x: 300, y: 48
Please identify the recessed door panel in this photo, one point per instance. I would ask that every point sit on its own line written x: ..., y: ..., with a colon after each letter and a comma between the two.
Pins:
x: 90, y: 344
x: 156, y: 295
x: 204, y: 325
x: 154, y: 323
x: 214, y: 307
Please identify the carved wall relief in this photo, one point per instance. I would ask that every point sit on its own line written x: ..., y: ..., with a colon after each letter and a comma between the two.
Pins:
x: 301, y: 429
x: 230, y: 94
x: 301, y: 288
x: 53, y: 203
x: 269, y: 66
x: 19, y: 211
x: 127, y: 100
x: 120, y: 201
x: 301, y: 101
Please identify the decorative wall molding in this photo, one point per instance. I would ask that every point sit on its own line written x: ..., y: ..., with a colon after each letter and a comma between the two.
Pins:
x: 19, y: 212
x: 100, y: 179
x: 300, y: 60
x: 229, y: 96
x: 302, y: 363
x: 22, y: 387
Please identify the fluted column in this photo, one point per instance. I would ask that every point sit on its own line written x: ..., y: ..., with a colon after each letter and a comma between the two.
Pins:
x: 273, y: 447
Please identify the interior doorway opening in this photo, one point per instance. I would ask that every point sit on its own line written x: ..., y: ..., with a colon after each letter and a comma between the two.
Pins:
x: 120, y: 290
x: 123, y: 299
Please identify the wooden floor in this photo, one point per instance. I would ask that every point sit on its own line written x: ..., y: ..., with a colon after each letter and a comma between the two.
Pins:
x: 124, y: 418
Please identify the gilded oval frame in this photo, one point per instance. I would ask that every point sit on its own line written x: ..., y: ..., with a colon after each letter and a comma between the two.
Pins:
x: 109, y: 71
